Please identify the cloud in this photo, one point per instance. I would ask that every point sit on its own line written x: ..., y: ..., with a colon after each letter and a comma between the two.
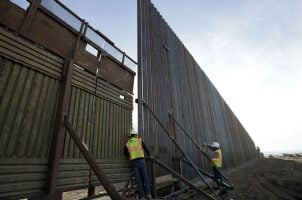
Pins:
x: 253, y: 59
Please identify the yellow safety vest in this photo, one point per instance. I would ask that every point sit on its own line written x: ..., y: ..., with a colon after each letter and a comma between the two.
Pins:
x: 135, y: 148
x: 217, y: 162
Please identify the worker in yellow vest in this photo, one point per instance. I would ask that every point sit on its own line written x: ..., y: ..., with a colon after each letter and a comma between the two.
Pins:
x: 216, y: 161
x: 134, y: 148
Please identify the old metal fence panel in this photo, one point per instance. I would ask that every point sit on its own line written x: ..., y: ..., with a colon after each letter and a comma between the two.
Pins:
x: 33, y: 71
x: 29, y: 94
x: 30, y: 79
x: 172, y: 81
x: 103, y: 119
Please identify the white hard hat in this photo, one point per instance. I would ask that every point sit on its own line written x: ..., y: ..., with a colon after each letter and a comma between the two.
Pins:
x: 215, y: 145
x: 133, y: 132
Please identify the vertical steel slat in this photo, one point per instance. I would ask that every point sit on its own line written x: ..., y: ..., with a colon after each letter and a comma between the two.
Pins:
x: 114, y: 138
x: 106, y: 129
x: 120, y: 133
x: 96, y: 127
x: 44, y: 112
x: 101, y: 132
x: 71, y: 115
x: 31, y: 120
x: 90, y: 121
x: 5, y: 106
x: 17, y: 113
x: 51, y: 124
x: 38, y: 117
x: 110, y: 131
x: 79, y: 124
x: 50, y: 114
x: 198, y: 105
x: 76, y: 118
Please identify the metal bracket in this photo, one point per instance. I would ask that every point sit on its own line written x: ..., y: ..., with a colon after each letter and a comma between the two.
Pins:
x: 166, y: 47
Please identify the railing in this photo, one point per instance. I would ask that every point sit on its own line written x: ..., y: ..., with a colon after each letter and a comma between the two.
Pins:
x: 63, y: 13
x: 92, y: 36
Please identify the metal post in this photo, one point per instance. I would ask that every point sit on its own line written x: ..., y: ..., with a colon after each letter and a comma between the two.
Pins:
x: 153, y: 178
x: 139, y: 70
x: 30, y: 16
x: 58, y: 138
x: 91, y: 191
x: 177, y: 165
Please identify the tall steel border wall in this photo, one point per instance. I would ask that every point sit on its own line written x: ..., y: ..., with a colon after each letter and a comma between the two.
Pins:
x: 45, y: 73
x: 171, y: 80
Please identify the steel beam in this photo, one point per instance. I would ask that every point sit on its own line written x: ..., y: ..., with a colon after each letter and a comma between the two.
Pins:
x: 30, y: 16
x: 152, y: 178
x: 178, y: 147
x: 186, y: 181
x: 207, y: 174
x: 58, y: 138
x: 195, y: 143
x: 139, y: 69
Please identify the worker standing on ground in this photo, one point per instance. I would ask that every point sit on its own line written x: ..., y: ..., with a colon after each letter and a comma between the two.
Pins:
x: 216, y: 162
x: 134, y: 148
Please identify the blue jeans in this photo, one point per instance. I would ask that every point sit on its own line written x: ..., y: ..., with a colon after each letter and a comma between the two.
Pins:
x: 141, y: 177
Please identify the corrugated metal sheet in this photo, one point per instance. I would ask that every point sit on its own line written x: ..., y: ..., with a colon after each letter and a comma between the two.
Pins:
x: 30, y: 84
x: 29, y: 94
x: 103, y: 120
x: 172, y: 80
x: 39, y: 25
x: 21, y: 176
x: 104, y: 123
x: 76, y: 173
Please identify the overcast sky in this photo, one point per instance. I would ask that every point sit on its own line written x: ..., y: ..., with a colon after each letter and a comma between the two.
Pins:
x: 250, y: 50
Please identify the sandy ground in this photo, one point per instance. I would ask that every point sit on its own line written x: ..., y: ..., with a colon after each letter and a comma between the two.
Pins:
x: 267, y: 178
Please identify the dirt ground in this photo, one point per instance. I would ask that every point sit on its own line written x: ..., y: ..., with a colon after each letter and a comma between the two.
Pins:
x: 267, y: 178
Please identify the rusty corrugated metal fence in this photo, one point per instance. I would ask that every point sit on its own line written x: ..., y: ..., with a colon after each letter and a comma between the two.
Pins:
x: 40, y: 48
x: 171, y: 81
